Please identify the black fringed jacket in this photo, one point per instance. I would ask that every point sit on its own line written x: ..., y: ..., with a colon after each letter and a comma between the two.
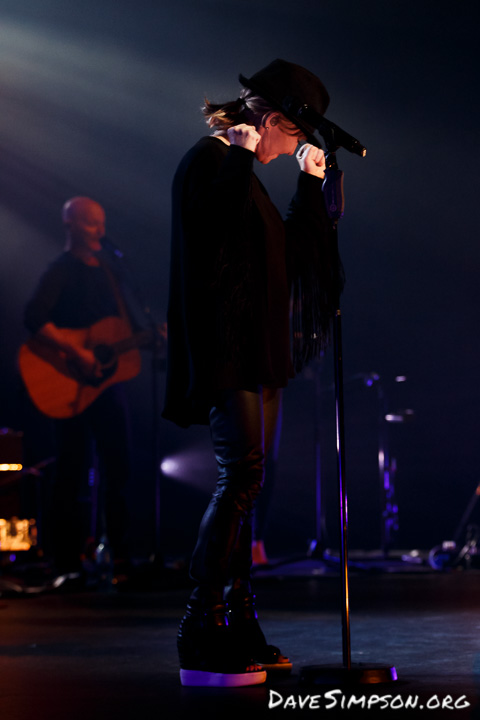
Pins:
x: 234, y: 263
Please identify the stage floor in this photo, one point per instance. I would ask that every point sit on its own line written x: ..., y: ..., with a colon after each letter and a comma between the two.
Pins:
x: 92, y: 655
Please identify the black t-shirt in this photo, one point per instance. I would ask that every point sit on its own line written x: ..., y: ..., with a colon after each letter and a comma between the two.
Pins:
x: 71, y: 294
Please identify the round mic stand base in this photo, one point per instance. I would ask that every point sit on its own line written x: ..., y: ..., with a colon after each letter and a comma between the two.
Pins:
x: 356, y: 674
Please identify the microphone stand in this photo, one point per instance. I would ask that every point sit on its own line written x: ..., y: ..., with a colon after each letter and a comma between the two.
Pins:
x: 156, y: 365
x: 346, y: 673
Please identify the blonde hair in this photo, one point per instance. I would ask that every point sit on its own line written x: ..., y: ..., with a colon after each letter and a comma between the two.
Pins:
x: 248, y: 108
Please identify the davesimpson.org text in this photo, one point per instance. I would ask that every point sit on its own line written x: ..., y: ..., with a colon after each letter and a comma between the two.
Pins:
x: 336, y: 699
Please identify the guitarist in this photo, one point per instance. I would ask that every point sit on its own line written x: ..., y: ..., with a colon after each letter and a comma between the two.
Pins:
x: 76, y: 291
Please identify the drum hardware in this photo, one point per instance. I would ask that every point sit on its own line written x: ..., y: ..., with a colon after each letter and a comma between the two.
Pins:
x: 459, y: 552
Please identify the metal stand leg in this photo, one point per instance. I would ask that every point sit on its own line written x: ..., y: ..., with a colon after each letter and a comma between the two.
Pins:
x: 457, y: 551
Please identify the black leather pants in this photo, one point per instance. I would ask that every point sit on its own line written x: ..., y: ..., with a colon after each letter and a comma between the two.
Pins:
x: 242, y: 425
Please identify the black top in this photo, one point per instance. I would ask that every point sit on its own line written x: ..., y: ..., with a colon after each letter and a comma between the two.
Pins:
x: 71, y: 294
x: 233, y: 259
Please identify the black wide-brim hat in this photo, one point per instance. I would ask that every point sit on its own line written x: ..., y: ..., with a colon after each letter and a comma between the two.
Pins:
x: 286, y: 86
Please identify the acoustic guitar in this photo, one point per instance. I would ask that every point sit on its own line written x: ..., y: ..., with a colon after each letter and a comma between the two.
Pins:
x: 55, y: 384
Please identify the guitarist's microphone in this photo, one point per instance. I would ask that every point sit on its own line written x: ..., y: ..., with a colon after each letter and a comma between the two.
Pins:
x: 111, y: 247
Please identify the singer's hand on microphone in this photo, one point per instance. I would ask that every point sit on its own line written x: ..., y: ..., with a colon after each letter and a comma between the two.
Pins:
x: 311, y: 160
x: 244, y: 136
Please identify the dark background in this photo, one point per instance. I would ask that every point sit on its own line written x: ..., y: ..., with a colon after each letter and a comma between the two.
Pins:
x: 103, y: 98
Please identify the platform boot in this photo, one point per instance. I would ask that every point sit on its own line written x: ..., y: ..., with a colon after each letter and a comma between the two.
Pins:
x: 210, y: 655
x: 245, y: 626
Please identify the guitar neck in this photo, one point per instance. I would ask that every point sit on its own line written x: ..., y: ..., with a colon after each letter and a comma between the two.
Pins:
x: 137, y: 340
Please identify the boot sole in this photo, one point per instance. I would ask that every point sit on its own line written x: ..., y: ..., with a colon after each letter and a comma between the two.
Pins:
x: 201, y: 678
x: 276, y: 667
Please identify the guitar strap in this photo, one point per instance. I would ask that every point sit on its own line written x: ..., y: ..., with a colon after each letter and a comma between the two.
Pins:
x: 122, y: 308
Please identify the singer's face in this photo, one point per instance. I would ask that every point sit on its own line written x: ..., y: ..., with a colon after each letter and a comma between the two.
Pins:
x: 278, y: 137
x: 87, y: 226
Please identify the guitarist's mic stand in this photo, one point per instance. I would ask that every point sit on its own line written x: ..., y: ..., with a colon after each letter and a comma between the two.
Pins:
x: 347, y: 673
x: 157, y: 364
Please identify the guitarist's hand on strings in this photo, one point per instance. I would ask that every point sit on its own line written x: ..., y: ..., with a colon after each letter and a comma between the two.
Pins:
x: 86, y: 362
x: 81, y: 358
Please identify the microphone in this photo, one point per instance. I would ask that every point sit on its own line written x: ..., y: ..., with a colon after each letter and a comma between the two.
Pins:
x: 111, y: 247
x: 332, y: 134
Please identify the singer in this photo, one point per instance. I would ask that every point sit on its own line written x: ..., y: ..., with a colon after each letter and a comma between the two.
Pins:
x: 79, y: 297
x: 235, y: 264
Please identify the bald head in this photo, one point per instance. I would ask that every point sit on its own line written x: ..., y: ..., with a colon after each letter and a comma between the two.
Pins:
x: 84, y: 221
x: 78, y: 207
